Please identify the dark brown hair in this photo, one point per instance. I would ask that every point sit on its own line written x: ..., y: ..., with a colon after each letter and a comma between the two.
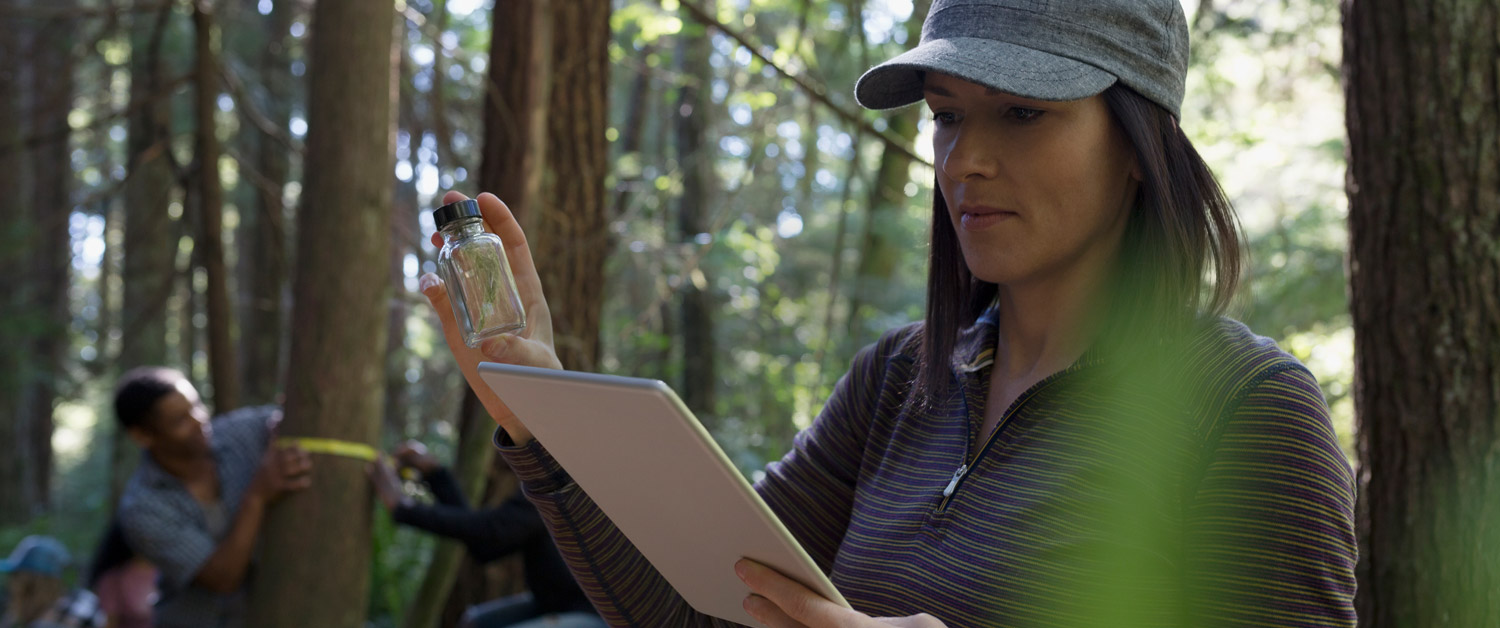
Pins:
x: 1181, y: 254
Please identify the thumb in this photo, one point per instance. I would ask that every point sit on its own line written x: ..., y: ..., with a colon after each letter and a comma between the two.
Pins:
x: 513, y: 349
x: 435, y: 290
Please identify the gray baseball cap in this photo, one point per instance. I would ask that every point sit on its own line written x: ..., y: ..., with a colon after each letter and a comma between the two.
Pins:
x: 1042, y: 49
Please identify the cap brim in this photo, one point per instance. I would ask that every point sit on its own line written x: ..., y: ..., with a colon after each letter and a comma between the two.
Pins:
x: 1005, y: 67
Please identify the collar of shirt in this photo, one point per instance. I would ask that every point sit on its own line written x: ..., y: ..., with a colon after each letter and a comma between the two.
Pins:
x: 975, y: 349
x: 156, y: 477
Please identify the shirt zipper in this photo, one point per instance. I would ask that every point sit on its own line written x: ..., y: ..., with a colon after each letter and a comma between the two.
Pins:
x: 963, y: 469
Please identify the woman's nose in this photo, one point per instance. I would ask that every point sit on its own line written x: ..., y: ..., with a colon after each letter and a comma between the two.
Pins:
x: 970, y: 153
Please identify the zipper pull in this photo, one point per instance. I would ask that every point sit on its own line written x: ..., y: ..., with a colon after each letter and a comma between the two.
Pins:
x: 953, y: 483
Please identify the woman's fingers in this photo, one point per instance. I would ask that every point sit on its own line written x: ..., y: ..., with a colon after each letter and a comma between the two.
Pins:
x: 790, y: 599
x: 769, y: 613
x: 499, y: 219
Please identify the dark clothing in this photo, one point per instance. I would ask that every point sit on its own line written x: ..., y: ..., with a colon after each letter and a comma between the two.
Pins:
x: 494, y: 533
x: 179, y: 534
x: 1088, y: 501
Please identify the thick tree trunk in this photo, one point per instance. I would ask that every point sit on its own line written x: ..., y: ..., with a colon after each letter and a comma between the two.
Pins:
x: 1424, y: 218
x: 52, y: 89
x: 571, y: 224
x: 263, y: 255
x: 520, y: 73
x: 314, y: 566
x: 405, y: 236
x: 695, y: 155
x: 16, y: 498
x: 222, y: 366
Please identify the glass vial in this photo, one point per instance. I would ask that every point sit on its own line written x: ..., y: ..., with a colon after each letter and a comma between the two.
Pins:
x: 480, y: 285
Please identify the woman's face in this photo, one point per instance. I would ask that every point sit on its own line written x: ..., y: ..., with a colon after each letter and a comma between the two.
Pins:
x: 1037, y: 191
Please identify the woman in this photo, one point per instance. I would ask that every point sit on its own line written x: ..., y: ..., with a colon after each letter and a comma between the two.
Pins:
x: 1073, y: 435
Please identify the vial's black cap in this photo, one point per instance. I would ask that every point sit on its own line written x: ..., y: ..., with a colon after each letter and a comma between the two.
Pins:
x: 467, y: 208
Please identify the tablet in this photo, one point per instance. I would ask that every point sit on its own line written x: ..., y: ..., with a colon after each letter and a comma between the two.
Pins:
x: 648, y: 463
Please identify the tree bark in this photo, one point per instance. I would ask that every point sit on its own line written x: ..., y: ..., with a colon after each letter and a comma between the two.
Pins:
x: 315, y: 558
x: 52, y: 87
x: 695, y: 155
x: 1424, y: 219
x: 263, y: 256
x: 16, y: 498
x: 222, y: 365
x: 520, y: 81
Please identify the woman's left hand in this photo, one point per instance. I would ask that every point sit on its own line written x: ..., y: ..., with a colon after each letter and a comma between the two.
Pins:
x: 780, y: 602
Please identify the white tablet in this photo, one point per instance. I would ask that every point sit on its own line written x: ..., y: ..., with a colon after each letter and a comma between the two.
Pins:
x: 642, y: 456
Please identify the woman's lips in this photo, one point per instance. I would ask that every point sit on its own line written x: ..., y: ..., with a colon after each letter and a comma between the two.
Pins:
x: 977, y: 217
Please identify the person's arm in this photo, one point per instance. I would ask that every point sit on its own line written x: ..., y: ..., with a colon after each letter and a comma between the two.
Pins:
x: 810, y: 490
x: 1270, y: 536
x: 282, y: 469
x: 444, y: 487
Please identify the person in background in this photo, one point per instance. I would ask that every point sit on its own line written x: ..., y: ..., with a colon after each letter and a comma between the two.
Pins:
x: 37, y: 596
x: 124, y: 581
x: 553, y: 599
x: 195, y: 504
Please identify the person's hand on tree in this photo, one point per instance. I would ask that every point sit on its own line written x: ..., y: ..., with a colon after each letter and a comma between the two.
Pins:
x: 532, y: 347
x: 283, y: 468
x: 386, y: 483
x: 780, y: 602
x: 414, y: 454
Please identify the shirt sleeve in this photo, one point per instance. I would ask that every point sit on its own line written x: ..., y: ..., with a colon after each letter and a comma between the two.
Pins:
x: 178, y: 548
x: 1270, y: 534
x: 445, y: 488
x: 488, y: 534
x: 810, y: 490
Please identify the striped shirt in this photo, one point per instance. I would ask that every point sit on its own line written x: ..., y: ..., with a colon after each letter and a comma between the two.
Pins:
x: 1213, y: 495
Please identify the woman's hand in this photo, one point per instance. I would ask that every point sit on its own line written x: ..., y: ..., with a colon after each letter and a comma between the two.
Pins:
x: 533, y: 347
x: 780, y: 602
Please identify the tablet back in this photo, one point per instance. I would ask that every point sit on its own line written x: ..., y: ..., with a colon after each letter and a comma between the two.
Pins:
x: 633, y: 447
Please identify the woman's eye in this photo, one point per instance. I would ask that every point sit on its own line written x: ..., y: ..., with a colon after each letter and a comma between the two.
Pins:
x: 944, y: 117
x: 1022, y: 114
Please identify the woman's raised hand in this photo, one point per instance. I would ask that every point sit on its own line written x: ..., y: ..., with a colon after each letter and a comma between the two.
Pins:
x: 532, y: 347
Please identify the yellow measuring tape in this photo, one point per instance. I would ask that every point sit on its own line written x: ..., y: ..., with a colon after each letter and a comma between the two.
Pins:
x: 332, y: 447
x: 346, y: 449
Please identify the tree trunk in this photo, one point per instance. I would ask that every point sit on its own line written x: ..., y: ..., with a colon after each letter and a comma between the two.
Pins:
x: 513, y: 154
x: 263, y: 254
x: 520, y: 73
x: 1424, y: 218
x: 405, y: 236
x: 52, y: 88
x: 16, y: 496
x: 695, y: 155
x: 878, y: 250
x: 315, y: 560
x: 222, y: 366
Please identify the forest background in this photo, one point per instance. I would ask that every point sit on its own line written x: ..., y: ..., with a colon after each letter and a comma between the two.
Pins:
x: 753, y: 227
